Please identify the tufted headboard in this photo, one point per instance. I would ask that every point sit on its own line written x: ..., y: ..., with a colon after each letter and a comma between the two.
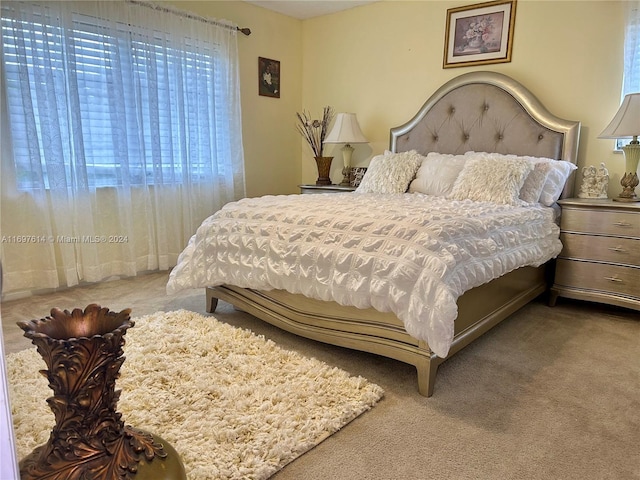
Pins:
x: 488, y: 112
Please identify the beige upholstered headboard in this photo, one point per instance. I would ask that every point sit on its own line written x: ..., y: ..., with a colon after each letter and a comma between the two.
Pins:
x: 488, y: 112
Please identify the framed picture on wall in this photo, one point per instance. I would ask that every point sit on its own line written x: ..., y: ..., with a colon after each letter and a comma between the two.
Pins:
x: 268, y: 77
x: 479, y: 34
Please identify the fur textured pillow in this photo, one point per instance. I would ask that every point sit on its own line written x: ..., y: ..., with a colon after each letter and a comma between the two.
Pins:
x: 555, y: 178
x: 437, y: 174
x: 487, y: 179
x: 390, y: 173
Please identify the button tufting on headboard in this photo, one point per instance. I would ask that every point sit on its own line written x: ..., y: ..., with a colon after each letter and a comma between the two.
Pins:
x: 481, y: 117
x: 488, y: 111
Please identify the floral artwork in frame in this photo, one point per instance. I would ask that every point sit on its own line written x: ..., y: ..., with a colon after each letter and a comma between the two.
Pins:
x: 268, y: 77
x: 479, y: 34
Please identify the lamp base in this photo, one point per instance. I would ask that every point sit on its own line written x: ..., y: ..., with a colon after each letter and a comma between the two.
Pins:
x: 347, y: 151
x: 630, y: 180
x: 346, y: 177
x: 625, y: 200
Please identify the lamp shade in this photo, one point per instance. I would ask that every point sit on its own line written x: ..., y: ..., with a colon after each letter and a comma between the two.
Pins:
x: 626, y: 122
x: 346, y: 130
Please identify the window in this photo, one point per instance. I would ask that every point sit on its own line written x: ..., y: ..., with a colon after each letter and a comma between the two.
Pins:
x: 631, y: 79
x: 93, y: 105
x: 125, y: 122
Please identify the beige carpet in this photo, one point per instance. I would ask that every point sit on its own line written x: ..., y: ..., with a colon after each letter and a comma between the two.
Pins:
x: 233, y: 404
x: 551, y: 393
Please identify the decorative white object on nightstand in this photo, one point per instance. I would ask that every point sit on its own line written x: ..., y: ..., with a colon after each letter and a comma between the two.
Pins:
x: 600, y: 260
x: 595, y: 183
x: 626, y: 124
x: 346, y: 130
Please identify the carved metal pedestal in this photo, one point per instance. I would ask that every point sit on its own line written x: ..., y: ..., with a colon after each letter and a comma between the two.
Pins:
x: 83, y: 353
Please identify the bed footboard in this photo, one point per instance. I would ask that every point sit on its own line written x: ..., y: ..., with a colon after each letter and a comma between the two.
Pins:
x: 383, y: 333
x: 359, y: 329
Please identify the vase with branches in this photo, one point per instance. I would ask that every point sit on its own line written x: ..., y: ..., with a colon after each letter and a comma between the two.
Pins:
x: 314, y: 132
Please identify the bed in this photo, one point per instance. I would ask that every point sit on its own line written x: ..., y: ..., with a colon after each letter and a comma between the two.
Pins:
x: 479, y: 113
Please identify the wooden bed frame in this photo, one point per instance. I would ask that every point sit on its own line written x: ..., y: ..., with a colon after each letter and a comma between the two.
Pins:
x: 480, y: 111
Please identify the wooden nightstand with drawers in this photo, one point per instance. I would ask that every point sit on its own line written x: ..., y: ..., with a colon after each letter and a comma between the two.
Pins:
x: 600, y: 259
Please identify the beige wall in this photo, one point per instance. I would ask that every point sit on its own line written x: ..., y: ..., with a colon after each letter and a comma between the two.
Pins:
x: 383, y: 60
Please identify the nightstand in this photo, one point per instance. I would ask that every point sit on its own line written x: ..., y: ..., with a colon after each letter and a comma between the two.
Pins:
x: 600, y: 259
x: 325, y: 189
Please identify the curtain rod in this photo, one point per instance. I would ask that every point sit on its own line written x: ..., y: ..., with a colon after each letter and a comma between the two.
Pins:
x: 192, y: 16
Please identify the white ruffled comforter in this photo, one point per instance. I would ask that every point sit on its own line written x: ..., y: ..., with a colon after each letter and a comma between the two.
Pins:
x: 410, y: 254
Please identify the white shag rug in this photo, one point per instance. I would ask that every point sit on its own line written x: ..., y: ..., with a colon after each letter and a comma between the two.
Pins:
x: 233, y: 404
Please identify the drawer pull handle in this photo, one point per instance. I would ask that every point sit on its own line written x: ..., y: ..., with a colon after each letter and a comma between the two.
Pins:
x: 618, y: 249
x: 622, y: 224
x: 613, y: 279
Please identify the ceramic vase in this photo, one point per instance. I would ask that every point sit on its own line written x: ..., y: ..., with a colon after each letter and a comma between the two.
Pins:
x: 83, y: 351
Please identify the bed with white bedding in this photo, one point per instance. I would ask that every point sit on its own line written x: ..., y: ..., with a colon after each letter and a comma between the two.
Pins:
x: 449, y: 233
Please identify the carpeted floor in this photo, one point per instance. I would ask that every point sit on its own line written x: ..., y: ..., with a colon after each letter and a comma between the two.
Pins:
x: 234, y: 405
x: 551, y: 393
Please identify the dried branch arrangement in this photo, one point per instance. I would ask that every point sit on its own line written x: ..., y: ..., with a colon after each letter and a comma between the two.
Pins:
x: 315, y: 131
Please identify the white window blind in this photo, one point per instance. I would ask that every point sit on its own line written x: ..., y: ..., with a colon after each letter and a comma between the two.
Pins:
x: 121, y: 133
x: 115, y: 106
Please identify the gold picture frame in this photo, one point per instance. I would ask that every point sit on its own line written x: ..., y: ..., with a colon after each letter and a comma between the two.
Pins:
x: 479, y: 34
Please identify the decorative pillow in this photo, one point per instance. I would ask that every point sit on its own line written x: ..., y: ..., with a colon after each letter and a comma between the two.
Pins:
x: 559, y: 172
x: 557, y: 175
x: 390, y: 173
x: 437, y: 173
x: 533, y: 184
x: 487, y: 179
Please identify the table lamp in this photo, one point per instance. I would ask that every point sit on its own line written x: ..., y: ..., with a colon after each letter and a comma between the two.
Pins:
x: 626, y: 124
x: 346, y: 130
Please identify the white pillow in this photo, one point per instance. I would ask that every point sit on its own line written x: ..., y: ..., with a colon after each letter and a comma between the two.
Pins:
x: 556, y: 179
x: 559, y: 172
x: 437, y: 173
x: 390, y: 173
x: 534, y: 183
x: 488, y: 179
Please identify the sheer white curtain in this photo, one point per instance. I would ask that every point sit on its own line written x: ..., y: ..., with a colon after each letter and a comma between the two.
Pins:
x: 121, y: 132
x: 631, y: 81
